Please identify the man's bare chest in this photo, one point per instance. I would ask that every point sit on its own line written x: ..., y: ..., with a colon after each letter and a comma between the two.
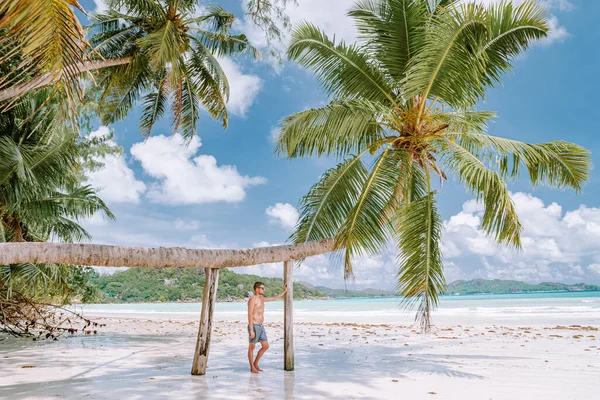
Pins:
x: 259, y: 307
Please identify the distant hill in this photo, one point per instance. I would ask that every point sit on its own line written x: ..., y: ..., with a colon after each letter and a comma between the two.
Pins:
x: 343, y: 293
x: 497, y: 286
x: 140, y: 285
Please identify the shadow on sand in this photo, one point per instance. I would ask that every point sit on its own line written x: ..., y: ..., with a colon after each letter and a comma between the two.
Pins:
x: 152, y: 366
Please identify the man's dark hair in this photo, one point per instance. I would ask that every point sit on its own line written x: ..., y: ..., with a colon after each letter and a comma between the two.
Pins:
x: 257, y: 284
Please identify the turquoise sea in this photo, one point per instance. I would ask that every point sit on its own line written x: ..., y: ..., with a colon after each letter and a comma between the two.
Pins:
x: 581, y: 308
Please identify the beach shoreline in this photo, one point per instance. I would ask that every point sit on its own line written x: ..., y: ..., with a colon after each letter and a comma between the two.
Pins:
x: 151, y: 358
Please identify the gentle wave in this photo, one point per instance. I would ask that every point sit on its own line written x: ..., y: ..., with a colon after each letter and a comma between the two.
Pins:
x: 535, y: 308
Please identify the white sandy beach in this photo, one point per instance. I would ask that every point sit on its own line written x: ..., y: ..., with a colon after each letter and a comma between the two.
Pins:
x: 141, y: 358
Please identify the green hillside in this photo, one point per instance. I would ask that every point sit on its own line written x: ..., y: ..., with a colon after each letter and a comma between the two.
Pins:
x: 343, y: 293
x: 184, y: 284
x: 498, y: 286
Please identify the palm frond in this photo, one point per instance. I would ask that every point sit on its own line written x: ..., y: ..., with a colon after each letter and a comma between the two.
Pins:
x: 500, y: 219
x: 209, y: 82
x: 190, y: 109
x: 344, y: 71
x: 329, y: 201
x: 50, y: 38
x: 221, y: 44
x: 412, y: 184
x: 215, y: 19
x: 445, y: 67
x: 11, y: 160
x: 164, y: 46
x: 336, y: 129
x: 123, y: 85
x: 440, y: 5
x: 559, y: 164
x: 420, y: 275
x: 467, y: 121
x: 154, y: 107
x: 79, y: 202
x: 364, y: 230
x: 115, y: 34
x: 393, y: 31
x: 511, y: 30
x: 36, y: 279
x: 139, y: 8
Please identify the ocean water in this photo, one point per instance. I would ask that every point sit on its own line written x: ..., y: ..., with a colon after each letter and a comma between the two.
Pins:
x: 580, y: 308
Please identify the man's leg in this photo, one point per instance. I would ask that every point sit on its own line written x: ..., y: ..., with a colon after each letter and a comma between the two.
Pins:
x: 264, y: 347
x: 251, y: 356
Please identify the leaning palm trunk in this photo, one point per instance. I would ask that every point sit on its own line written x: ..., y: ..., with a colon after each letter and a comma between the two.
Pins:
x: 102, y: 255
x: 50, y: 77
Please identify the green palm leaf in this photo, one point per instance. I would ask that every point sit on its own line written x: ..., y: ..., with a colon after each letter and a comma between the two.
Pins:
x: 365, y: 230
x: 209, y: 83
x: 499, y: 218
x: 420, y: 276
x: 139, y: 8
x: 393, y: 31
x: 329, y: 201
x: 49, y: 37
x: 467, y: 121
x: 216, y: 18
x: 511, y: 30
x: 559, y: 164
x: 445, y: 66
x: 123, y: 85
x: 336, y: 129
x: 165, y: 36
x: 344, y: 71
x: 221, y: 44
x: 154, y: 108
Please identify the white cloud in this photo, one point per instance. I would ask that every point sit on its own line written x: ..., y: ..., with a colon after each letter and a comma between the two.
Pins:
x: 555, y: 243
x: 115, y: 180
x: 561, y: 5
x: 186, y: 178
x: 595, y: 268
x: 186, y: 225
x: 243, y: 88
x: 274, y: 135
x: 328, y: 15
x: 97, y: 219
x: 283, y: 214
x: 378, y: 271
x: 101, y: 6
x: 556, y: 33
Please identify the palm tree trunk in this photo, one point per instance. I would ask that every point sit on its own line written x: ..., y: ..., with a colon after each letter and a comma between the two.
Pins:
x: 117, y: 256
x: 48, y: 78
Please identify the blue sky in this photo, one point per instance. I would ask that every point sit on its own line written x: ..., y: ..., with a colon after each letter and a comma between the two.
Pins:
x: 229, y: 189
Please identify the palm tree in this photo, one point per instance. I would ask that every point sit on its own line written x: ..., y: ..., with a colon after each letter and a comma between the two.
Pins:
x: 402, y: 110
x: 48, y: 43
x: 159, y: 49
x: 41, y: 195
x: 173, y: 54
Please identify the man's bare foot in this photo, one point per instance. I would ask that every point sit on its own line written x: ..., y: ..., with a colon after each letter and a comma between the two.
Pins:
x: 254, y: 370
x: 258, y: 368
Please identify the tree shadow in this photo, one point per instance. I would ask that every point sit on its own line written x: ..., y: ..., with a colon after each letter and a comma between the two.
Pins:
x: 152, y: 366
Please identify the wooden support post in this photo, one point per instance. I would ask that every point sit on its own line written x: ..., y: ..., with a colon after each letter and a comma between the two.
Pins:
x: 209, y: 298
x: 288, y: 320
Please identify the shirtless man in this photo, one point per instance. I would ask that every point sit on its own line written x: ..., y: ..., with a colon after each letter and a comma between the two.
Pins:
x: 256, y: 317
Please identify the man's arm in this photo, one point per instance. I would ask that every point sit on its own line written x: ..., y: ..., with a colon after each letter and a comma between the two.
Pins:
x: 251, y: 304
x: 278, y: 296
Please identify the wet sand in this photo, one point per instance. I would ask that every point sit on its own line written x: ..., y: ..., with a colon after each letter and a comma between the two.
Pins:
x: 141, y: 358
